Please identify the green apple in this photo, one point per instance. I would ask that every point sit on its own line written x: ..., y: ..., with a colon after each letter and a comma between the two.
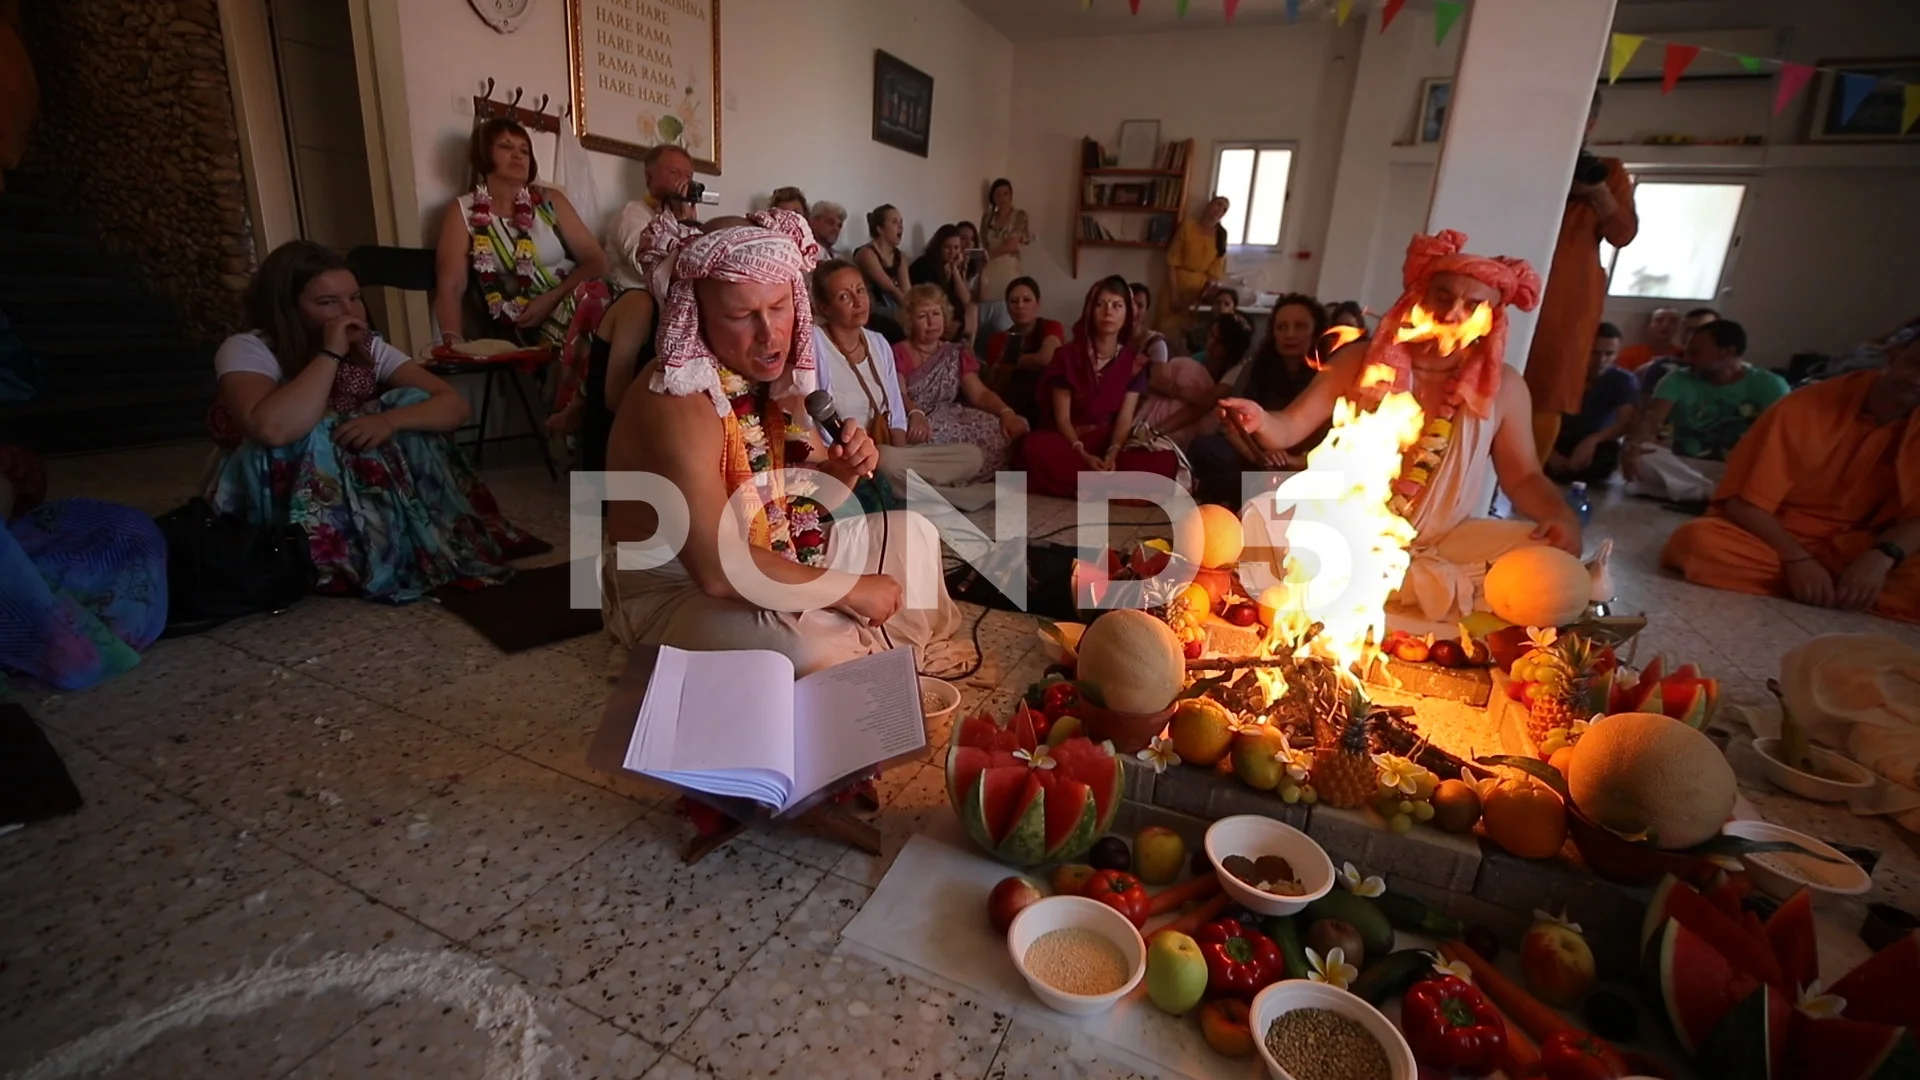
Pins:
x: 1176, y: 972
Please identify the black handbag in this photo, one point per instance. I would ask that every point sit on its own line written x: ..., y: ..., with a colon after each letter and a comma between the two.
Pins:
x: 220, y: 567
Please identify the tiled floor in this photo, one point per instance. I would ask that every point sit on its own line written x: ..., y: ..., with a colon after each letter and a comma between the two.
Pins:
x: 357, y: 841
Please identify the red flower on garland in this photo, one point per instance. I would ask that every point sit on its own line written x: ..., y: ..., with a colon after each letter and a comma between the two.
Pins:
x: 812, y: 538
x: 797, y: 451
x: 745, y: 405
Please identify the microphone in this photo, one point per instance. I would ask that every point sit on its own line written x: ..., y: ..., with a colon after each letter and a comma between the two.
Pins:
x: 820, y: 406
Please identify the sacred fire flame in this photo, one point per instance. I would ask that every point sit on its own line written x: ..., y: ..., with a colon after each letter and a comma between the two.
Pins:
x: 1342, y: 337
x: 1447, y: 337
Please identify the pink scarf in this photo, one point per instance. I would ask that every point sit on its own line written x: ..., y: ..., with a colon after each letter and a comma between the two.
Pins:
x: 1519, y: 286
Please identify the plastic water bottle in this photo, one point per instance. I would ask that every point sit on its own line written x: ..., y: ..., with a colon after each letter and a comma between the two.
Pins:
x: 1577, y: 498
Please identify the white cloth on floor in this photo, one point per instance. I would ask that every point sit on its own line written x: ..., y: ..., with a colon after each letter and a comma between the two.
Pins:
x: 1664, y: 474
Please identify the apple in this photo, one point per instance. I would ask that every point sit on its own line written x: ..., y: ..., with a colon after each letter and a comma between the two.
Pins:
x: 1176, y: 972
x: 1008, y: 899
x: 1157, y: 854
x: 1224, y: 1021
x: 1556, y: 962
x: 1070, y: 878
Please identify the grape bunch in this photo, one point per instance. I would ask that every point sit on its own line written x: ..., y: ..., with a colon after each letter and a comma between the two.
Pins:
x: 1405, y: 794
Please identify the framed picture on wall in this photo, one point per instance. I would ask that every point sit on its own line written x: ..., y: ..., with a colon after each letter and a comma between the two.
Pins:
x: 902, y: 104
x: 1879, y: 115
x: 1139, y: 142
x: 644, y: 75
x: 1435, y: 97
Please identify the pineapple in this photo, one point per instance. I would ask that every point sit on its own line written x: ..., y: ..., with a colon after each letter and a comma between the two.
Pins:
x: 1343, y: 772
x: 1566, y: 680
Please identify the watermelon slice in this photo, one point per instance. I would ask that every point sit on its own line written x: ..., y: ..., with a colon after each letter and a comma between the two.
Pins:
x: 1837, y: 1048
x: 1096, y: 766
x: 1071, y: 814
x: 1726, y: 893
x: 1690, y: 984
x: 1751, y: 1042
x: 1886, y: 988
x: 981, y: 731
x: 1732, y: 945
x: 1021, y: 812
x: 1790, y: 932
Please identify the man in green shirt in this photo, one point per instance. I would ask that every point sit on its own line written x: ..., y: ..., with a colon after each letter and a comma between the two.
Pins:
x: 1698, y: 413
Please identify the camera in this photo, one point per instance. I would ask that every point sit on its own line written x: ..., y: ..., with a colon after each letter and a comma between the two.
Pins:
x: 1589, y: 169
x: 696, y: 194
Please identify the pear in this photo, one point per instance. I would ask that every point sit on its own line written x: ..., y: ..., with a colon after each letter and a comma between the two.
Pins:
x: 1253, y: 758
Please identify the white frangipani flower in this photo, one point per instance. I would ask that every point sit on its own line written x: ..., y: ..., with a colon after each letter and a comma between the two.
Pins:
x: 1159, y: 754
x: 1332, y: 968
x: 1374, y: 885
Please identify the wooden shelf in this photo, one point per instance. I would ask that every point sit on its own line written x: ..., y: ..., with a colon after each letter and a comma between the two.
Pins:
x: 1129, y: 209
x: 1134, y: 172
x: 1166, y: 187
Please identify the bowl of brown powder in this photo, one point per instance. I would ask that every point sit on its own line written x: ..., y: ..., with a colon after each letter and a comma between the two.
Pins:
x: 1079, y: 955
x: 1308, y: 1030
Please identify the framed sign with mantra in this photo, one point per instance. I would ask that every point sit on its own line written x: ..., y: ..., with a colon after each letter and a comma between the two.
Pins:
x: 644, y: 73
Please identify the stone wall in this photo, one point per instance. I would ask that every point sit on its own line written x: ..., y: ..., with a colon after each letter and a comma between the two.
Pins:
x: 138, y: 118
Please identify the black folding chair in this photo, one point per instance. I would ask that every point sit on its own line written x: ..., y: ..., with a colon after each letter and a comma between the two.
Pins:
x: 412, y: 270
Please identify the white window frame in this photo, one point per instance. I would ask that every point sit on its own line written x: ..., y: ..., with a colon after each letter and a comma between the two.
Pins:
x: 1293, y: 170
x: 1610, y: 255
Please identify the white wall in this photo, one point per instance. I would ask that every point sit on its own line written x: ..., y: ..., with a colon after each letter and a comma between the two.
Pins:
x: 1268, y: 83
x: 797, y: 93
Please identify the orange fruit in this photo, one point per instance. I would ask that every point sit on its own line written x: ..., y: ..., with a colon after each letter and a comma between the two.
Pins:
x: 1561, y: 758
x: 1524, y: 816
x: 1197, y: 600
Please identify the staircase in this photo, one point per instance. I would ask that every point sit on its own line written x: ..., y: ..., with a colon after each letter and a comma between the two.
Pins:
x: 117, y: 370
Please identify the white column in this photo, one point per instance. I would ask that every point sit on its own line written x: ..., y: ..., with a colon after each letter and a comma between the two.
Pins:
x: 1527, y: 75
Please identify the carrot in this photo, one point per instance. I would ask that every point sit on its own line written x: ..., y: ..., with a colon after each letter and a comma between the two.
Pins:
x: 1536, y: 1018
x: 1523, y: 1056
x: 1200, y: 916
x: 1170, y: 898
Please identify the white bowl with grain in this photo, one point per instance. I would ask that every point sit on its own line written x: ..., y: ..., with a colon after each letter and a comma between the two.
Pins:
x: 1284, y: 997
x: 938, y: 698
x: 1254, y: 836
x: 1781, y: 874
x: 1076, y: 913
x: 1836, y: 778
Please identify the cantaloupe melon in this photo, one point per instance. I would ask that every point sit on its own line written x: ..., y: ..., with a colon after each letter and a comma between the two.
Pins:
x: 1211, y: 535
x: 1134, y: 661
x: 1643, y: 772
x: 1538, y: 586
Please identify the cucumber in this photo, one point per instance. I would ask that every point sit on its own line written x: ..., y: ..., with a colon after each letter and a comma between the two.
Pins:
x: 1376, y: 933
x: 1409, y: 914
x: 1391, y: 975
x: 1286, y: 934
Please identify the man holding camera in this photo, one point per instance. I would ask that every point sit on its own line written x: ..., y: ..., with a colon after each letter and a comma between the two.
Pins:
x: 670, y: 184
x: 1599, y: 207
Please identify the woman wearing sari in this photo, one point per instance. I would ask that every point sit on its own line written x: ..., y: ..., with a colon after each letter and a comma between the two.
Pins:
x: 947, y: 402
x: 325, y: 426
x: 1091, y: 391
x: 530, y: 250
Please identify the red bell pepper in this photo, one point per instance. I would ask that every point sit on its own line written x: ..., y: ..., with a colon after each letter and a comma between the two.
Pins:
x: 1122, y: 892
x: 1452, y: 1027
x: 1241, y: 961
x: 1576, y: 1055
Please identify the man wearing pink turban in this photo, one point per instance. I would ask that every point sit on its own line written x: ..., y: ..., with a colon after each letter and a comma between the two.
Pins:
x: 1476, y: 409
x: 721, y: 416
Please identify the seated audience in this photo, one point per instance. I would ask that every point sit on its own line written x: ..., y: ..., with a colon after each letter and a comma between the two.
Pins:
x: 1660, y: 366
x: 720, y: 414
x: 1196, y: 261
x: 789, y: 198
x: 1017, y: 355
x: 856, y: 366
x: 882, y: 261
x: 1226, y: 308
x: 1005, y: 233
x: 1477, y: 412
x: 1665, y: 337
x: 1348, y: 313
x: 944, y: 263
x: 1872, y: 354
x: 83, y: 582
x: 1588, y: 447
x: 669, y: 173
x: 1697, y: 414
x: 528, y: 248
x: 1281, y: 370
x: 621, y: 345
x: 1181, y: 391
x: 1090, y: 393
x: 1821, y: 500
x: 827, y: 219
x: 325, y: 425
x: 946, y: 401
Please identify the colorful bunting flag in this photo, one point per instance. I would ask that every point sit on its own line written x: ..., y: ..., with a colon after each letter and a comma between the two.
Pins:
x: 1133, y: 6
x: 1678, y: 57
x: 1231, y: 6
x: 1445, y: 14
x: 1293, y: 10
x: 1793, y: 79
x: 1624, y: 46
x: 1180, y: 9
x: 1086, y: 5
x: 1751, y: 63
x: 1387, y: 13
x: 1912, y: 110
x: 1854, y: 88
x: 1341, y: 10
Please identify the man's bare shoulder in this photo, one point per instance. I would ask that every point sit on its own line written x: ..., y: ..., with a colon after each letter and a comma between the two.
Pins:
x: 652, y: 426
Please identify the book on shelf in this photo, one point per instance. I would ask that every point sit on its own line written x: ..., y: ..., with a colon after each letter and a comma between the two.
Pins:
x: 737, y: 724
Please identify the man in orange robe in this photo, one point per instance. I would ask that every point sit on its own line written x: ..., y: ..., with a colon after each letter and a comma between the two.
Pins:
x: 1821, y: 499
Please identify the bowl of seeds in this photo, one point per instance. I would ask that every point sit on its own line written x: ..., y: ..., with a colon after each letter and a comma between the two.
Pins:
x: 938, y: 698
x: 1267, y: 866
x: 1307, y: 1030
x: 1079, y: 955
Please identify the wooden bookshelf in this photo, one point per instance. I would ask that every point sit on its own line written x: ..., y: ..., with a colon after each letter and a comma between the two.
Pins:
x: 1152, y: 200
